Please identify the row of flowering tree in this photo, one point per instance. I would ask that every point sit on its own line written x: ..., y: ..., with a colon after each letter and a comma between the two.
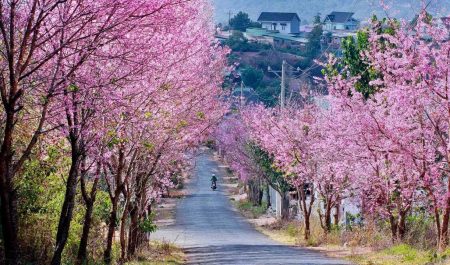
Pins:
x: 381, y: 139
x: 131, y: 86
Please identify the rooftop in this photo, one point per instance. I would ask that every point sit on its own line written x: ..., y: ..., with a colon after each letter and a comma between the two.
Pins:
x: 277, y: 16
x: 339, y: 17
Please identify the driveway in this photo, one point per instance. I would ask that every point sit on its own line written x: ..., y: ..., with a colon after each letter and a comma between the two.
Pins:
x: 211, y: 232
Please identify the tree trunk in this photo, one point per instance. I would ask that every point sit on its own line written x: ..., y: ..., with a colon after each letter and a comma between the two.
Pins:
x: 328, y: 217
x: 82, y: 249
x: 111, y: 229
x: 68, y: 205
x: 254, y: 191
x: 114, y: 196
x: 8, y: 196
x: 267, y: 190
x: 437, y: 221
x: 133, y: 232
x: 306, y: 209
x: 123, y: 244
x: 337, y: 213
x: 307, y: 223
x: 445, y: 225
x: 285, y: 206
x: 394, y: 229
x: 401, y: 226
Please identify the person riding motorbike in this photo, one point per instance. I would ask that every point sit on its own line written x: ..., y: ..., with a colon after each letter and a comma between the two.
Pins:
x: 213, y: 181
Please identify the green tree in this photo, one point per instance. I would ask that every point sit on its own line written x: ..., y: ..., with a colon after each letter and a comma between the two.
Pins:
x: 237, y: 42
x: 252, y: 77
x: 358, y: 65
x: 272, y: 175
x: 268, y: 93
x: 240, y: 22
x: 314, y: 47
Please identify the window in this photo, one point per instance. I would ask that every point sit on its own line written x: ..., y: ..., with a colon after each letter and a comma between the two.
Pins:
x: 283, y: 26
x: 274, y: 26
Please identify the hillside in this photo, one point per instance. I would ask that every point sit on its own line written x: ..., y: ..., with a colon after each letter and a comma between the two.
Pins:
x: 307, y: 9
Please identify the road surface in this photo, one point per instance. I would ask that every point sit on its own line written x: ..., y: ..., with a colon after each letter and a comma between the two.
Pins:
x: 212, y: 233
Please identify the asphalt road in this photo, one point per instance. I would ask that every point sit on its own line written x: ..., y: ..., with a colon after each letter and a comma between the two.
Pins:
x: 212, y: 233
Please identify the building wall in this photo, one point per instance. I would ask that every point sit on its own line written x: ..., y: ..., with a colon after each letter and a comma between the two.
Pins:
x: 341, y: 26
x: 295, y: 26
x: 282, y: 27
x: 266, y: 25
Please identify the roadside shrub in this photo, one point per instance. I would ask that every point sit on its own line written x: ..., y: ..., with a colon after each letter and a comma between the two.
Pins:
x: 292, y: 229
x: 251, y: 211
x: 405, y: 251
x: 420, y: 231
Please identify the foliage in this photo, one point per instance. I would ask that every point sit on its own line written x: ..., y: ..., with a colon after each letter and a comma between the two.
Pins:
x: 240, y: 21
x: 268, y: 93
x: 160, y: 253
x: 251, y: 211
x: 354, y: 61
x: 314, y: 46
x: 395, y: 139
x: 78, y: 127
x: 252, y: 77
x: 267, y: 166
x: 238, y: 43
x: 147, y: 225
x: 358, y: 65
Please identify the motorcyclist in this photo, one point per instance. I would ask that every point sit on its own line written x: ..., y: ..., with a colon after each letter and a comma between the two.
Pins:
x: 213, y: 180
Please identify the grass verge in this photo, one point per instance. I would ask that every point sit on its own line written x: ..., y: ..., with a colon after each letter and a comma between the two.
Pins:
x: 401, y: 254
x: 160, y: 253
x: 290, y: 233
x: 250, y: 211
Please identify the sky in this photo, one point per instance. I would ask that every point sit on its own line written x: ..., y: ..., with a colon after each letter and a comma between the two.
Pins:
x: 307, y: 9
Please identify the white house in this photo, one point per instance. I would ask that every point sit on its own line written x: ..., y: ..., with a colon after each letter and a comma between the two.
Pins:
x: 340, y: 21
x: 288, y: 23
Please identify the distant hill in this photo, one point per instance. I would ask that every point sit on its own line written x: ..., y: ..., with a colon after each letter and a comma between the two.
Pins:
x: 307, y: 9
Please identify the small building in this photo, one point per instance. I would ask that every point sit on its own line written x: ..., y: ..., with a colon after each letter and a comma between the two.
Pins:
x: 278, y: 40
x: 287, y: 23
x: 340, y: 21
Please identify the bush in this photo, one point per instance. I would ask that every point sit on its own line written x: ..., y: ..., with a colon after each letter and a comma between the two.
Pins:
x: 251, y: 211
x: 252, y: 77
x: 238, y: 43
x: 420, y: 231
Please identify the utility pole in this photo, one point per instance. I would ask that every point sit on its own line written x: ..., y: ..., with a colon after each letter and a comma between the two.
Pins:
x: 283, y: 77
x: 283, y: 85
x: 229, y: 13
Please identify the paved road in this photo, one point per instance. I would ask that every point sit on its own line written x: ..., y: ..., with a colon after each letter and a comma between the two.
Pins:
x: 212, y: 233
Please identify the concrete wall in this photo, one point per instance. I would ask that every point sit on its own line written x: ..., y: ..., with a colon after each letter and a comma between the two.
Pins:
x: 282, y: 27
x: 341, y: 26
x: 295, y: 26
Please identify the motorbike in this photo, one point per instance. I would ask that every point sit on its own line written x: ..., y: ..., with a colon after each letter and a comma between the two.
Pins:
x: 213, y: 185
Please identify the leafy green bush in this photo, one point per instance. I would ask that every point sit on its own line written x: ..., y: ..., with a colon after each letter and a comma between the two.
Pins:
x: 148, y: 225
x: 251, y: 211
x: 251, y: 76
x: 238, y: 43
x: 407, y: 253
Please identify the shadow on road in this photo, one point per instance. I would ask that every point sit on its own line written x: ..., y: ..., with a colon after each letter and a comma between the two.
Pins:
x: 254, y: 254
